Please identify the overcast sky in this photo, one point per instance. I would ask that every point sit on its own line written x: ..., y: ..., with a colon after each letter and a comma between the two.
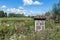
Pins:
x: 28, y: 7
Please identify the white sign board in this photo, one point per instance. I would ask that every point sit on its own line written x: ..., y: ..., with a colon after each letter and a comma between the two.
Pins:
x: 39, y: 25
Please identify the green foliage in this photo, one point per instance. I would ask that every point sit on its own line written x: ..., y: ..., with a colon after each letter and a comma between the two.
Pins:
x: 48, y: 13
x: 2, y: 14
x: 56, y: 12
x: 24, y: 28
x: 16, y: 15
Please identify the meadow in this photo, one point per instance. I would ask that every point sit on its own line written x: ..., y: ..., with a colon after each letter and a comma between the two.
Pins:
x: 23, y: 29
x: 15, y: 18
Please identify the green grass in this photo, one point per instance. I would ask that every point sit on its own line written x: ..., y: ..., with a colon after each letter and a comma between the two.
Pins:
x: 22, y: 18
x: 29, y: 24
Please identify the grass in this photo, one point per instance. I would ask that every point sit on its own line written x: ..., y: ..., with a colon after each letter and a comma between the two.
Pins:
x: 20, y: 23
x: 22, y: 18
x: 26, y: 27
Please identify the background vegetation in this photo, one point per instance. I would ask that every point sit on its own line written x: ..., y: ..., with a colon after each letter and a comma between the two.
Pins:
x: 20, y: 27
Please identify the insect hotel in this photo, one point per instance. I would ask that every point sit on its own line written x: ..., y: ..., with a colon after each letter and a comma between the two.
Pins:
x: 39, y: 23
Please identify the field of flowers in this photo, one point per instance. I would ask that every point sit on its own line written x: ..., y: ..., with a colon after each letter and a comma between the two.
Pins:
x: 23, y: 29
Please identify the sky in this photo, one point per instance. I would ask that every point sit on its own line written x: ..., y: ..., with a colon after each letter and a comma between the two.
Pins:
x: 28, y: 7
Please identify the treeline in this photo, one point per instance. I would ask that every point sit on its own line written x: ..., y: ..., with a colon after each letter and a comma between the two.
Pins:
x: 55, y: 12
x: 4, y: 14
x: 16, y: 15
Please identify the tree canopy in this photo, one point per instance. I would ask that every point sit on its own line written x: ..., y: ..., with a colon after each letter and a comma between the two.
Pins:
x: 56, y: 10
x: 2, y: 14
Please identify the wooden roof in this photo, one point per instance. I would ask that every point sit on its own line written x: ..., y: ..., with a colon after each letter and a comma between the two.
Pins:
x: 39, y: 18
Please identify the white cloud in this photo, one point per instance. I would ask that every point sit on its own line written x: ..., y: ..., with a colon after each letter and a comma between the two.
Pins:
x: 17, y: 10
x: 37, y: 3
x: 21, y: 8
x: 30, y: 2
x: 13, y: 10
x: 3, y: 6
x: 27, y: 2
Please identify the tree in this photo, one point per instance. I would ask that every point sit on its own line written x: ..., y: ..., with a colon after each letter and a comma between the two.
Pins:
x: 1, y: 13
x: 11, y: 15
x: 16, y: 15
x: 5, y: 14
x: 56, y: 11
x: 48, y: 13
